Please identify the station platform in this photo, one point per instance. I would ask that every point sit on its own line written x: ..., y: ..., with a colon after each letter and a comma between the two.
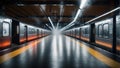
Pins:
x: 57, y: 51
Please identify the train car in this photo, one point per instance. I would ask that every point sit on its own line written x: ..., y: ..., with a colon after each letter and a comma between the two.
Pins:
x: 5, y: 33
x: 28, y: 33
x: 14, y: 32
x: 118, y: 32
x: 104, y: 33
x: 77, y: 32
x: 32, y: 33
x: 73, y: 32
x: 85, y: 33
x: 23, y: 35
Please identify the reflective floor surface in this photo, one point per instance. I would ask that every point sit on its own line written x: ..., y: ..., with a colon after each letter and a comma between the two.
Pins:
x: 55, y: 51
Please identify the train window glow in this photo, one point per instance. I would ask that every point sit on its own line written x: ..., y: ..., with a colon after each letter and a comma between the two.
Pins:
x: 118, y: 26
x: 106, y: 30
x: 100, y: 31
x: 118, y: 18
x: 6, y: 28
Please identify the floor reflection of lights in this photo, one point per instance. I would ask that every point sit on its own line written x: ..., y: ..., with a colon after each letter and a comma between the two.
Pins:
x: 77, y: 54
x: 58, y: 52
x: 42, y: 49
x: 60, y: 48
x: 68, y: 44
x: 54, y: 53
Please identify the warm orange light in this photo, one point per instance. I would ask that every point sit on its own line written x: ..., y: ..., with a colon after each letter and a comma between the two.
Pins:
x: 22, y: 40
x: 5, y: 44
x: 14, y: 53
x: 32, y: 37
x: 77, y: 36
x: 104, y: 43
x: 84, y: 38
x: 118, y: 47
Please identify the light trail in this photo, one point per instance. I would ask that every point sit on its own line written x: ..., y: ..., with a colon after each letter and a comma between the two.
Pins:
x: 82, y: 5
x: 51, y: 22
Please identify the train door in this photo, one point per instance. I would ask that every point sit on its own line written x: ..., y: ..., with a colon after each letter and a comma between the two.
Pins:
x: 37, y: 33
x: 80, y: 33
x: 26, y: 33
x: 6, y: 35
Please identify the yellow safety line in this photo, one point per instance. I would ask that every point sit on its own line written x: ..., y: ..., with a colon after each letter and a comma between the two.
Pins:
x: 108, y: 61
x: 10, y: 55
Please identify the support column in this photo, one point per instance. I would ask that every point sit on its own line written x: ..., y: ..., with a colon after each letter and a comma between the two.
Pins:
x: 92, y: 33
x: 116, y: 4
x: 114, y: 34
x: 15, y: 32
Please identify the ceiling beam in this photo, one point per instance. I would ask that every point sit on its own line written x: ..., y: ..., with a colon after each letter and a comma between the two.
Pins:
x: 39, y: 2
x: 72, y: 2
x: 37, y: 16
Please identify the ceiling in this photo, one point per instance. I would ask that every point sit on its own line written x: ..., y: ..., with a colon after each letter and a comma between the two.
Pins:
x: 36, y: 12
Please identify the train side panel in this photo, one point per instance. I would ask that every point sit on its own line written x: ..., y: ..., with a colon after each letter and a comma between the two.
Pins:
x: 23, y: 33
x: 104, y: 33
x: 32, y: 33
x: 85, y: 33
x: 118, y: 32
x: 5, y: 33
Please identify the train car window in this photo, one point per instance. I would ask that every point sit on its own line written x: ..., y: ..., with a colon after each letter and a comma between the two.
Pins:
x: 100, y: 33
x: 31, y: 30
x: 22, y: 31
x: 106, y: 31
x: 85, y: 32
x: 25, y: 31
x: 118, y: 26
x: 118, y: 31
x: 6, y: 29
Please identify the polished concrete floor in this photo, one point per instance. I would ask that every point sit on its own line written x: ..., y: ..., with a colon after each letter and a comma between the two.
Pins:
x: 55, y: 51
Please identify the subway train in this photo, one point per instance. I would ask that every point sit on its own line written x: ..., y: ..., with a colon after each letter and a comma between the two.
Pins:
x: 28, y: 32
x: 103, y: 33
x: 14, y: 32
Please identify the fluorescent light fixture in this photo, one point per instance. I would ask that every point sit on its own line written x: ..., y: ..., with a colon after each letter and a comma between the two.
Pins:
x: 103, y: 15
x: 57, y: 25
x: 20, y: 5
x: 68, y: 26
x: 51, y: 23
x: 49, y: 26
x: 83, y: 3
x: 43, y: 7
x: 77, y: 15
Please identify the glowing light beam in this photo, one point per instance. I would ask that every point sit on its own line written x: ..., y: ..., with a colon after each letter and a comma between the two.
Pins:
x: 51, y: 22
x: 82, y: 5
x: 103, y: 15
